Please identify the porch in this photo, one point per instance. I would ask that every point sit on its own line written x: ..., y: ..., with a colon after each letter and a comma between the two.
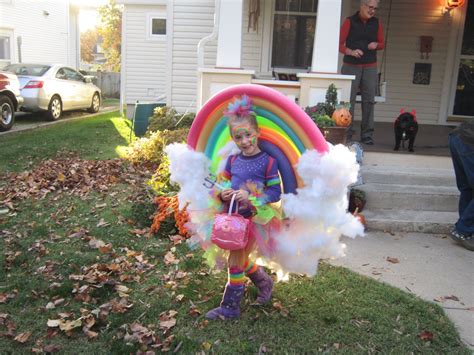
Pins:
x: 304, y: 87
x: 246, y: 56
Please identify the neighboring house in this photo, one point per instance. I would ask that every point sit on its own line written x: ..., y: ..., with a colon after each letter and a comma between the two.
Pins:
x: 44, y: 31
x: 99, y: 59
x: 261, y: 41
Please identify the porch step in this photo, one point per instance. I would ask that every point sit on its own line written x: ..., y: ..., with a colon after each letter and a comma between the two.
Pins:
x: 412, y: 176
x: 409, y: 193
x: 410, y: 197
x: 433, y: 222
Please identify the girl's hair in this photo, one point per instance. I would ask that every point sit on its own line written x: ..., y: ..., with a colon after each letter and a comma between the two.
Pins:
x: 240, y: 110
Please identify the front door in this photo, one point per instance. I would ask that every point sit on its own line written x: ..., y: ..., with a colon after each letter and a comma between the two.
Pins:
x: 462, y: 103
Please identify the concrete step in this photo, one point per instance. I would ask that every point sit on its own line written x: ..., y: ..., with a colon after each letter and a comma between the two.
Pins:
x: 433, y: 222
x: 408, y: 176
x: 411, y: 197
x: 407, y: 160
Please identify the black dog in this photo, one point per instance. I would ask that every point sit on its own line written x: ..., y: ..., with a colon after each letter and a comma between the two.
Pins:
x: 406, y: 129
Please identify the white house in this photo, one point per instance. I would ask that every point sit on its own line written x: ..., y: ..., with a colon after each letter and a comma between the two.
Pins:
x: 44, y: 31
x: 186, y: 50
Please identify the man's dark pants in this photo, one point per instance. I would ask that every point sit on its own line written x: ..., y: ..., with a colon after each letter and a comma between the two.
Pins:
x: 367, y: 80
x: 463, y: 162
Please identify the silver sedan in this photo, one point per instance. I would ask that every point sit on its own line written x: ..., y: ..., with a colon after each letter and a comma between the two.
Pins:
x: 55, y: 88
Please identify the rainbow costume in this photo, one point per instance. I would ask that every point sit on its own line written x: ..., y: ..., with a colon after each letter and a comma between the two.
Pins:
x: 314, y: 177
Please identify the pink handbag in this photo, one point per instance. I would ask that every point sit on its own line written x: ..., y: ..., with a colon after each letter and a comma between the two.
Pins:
x: 230, y: 230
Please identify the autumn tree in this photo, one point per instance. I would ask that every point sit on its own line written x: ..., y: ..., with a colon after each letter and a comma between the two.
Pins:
x: 111, y: 32
x: 88, y: 44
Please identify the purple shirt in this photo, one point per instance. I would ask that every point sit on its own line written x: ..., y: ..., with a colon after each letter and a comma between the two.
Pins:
x: 257, y: 174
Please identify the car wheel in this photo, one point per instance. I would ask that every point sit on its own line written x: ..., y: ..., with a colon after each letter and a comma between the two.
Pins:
x: 7, y: 113
x: 95, y: 104
x: 55, y: 108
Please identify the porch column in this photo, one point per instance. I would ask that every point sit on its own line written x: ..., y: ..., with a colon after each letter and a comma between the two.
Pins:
x: 326, y: 37
x: 229, y: 41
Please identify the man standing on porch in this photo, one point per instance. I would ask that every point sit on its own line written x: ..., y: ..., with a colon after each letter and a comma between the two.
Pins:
x: 361, y: 36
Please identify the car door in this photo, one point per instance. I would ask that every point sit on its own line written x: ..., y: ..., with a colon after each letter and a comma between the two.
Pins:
x: 64, y: 86
x: 82, y: 91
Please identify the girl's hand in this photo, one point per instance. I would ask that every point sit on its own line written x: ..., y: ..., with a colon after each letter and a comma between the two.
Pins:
x: 241, y: 195
x: 226, y: 195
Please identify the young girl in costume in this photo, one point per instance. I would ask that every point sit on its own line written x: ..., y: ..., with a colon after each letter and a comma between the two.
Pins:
x: 255, y: 182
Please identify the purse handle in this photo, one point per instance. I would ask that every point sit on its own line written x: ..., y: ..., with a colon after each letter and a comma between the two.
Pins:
x: 232, y: 205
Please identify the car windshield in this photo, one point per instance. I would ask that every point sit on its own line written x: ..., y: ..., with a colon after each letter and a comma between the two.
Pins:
x: 27, y: 69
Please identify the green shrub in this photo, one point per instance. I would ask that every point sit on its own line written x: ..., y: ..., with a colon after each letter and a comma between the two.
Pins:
x: 160, y: 181
x: 167, y: 118
x: 149, y: 150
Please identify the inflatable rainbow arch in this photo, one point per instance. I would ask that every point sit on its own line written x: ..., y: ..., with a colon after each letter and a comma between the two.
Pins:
x: 286, y: 130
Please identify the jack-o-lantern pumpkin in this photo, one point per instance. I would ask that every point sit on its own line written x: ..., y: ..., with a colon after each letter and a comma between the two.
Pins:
x: 342, y: 116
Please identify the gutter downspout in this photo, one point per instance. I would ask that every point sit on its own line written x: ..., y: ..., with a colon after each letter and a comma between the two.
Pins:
x: 123, y: 64
x: 213, y: 35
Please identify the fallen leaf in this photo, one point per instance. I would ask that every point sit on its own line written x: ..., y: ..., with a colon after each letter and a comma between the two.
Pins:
x: 167, y: 324
x: 53, y: 323
x: 70, y: 324
x: 89, y: 333
x: 51, y: 348
x: 206, y: 346
x: 170, y: 258
x: 452, y: 297
x: 426, y: 335
x: 102, y: 223
x: 179, y: 298
x: 392, y: 260
x: 106, y: 248
x: 22, y: 337
x: 50, y: 305
x: 96, y: 243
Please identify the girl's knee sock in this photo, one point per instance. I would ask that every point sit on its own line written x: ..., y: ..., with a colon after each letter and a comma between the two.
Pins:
x: 250, y: 267
x: 236, y: 276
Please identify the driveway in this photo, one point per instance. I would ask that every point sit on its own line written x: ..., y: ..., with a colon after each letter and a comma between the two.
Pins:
x: 26, y: 121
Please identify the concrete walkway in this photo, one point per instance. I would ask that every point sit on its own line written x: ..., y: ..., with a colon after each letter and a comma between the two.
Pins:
x: 430, y: 266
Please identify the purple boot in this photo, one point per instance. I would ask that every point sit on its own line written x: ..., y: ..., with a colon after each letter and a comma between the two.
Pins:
x: 264, y: 283
x: 230, y: 305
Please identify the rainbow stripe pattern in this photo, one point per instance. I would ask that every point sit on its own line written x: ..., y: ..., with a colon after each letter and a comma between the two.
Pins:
x: 286, y: 130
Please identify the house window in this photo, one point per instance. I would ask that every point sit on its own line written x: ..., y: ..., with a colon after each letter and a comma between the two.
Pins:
x: 294, y: 24
x: 156, y: 28
x: 5, y: 50
x: 463, y: 99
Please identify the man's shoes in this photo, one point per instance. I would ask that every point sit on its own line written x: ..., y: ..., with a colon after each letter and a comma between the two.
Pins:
x: 367, y: 141
x: 468, y: 243
x: 466, y: 240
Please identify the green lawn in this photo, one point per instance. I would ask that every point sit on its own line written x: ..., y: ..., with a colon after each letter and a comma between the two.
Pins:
x: 84, y: 264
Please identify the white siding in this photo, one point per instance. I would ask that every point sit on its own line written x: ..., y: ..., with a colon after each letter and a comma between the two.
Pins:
x: 45, y: 38
x: 252, y: 40
x: 145, y: 59
x: 193, y: 20
x: 408, y: 21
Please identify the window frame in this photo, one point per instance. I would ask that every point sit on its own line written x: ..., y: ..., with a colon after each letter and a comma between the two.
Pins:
x: 8, y: 34
x: 456, y: 62
x: 274, y: 12
x: 149, y: 26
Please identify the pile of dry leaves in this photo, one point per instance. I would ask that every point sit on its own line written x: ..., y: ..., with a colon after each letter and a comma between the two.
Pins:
x: 71, y: 175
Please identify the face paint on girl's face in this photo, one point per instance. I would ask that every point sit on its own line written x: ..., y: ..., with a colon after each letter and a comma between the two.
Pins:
x: 246, y: 138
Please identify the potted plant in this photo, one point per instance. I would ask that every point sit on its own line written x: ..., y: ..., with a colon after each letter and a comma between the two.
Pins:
x: 332, y: 119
